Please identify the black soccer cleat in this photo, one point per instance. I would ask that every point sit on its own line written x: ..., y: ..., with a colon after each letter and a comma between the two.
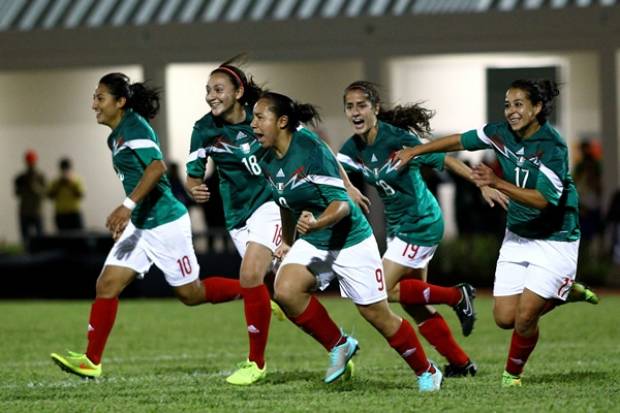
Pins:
x: 465, y: 308
x: 451, y: 370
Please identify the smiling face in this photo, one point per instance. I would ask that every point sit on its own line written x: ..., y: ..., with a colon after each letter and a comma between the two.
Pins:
x: 520, y: 113
x: 265, y: 124
x: 108, y: 109
x: 361, y: 113
x: 222, y: 96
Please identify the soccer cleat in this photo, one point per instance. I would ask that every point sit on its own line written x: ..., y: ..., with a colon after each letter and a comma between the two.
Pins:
x: 247, y: 373
x: 78, y: 364
x: 349, y: 371
x: 509, y: 380
x: 277, y: 312
x: 465, y: 308
x: 581, y: 292
x: 429, y: 382
x: 451, y: 370
x: 339, y: 357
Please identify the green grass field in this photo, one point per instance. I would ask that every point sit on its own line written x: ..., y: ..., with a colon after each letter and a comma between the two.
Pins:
x: 163, y: 356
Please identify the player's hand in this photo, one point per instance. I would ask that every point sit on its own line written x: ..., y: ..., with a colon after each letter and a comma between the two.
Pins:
x: 492, y: 196
x: 482, y: 175
x: 117, y: 221
x: 402, y: 157
x: 306, y: 223
x: 200, y: 193
x: 360, y: 199
x: 281, y: 251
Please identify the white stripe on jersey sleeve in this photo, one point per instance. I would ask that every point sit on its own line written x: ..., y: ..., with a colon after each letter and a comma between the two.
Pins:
x: 483, y: 136
x: 140, y: 144
x: 325, y: 180
x: 200, y: 153
x: 342, y: 158
x: 553, y: 178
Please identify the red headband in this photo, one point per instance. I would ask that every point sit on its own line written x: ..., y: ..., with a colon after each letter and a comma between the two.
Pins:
x: 231, y: 72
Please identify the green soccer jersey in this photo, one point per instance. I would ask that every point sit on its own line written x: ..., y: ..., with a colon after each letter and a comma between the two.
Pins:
x: 134, y: 146
x: 307, y: 178
x: 539, y: 162
x: 235, y: 151
x: 411, y: 211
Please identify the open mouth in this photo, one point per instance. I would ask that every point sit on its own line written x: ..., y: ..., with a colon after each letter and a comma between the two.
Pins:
x: 357, y: 123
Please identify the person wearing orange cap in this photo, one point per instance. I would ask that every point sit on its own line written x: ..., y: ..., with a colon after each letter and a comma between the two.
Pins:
x: 30, y: 191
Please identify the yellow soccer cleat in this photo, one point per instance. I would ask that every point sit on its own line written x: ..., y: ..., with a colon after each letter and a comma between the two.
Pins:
x: 510, y: 380
x: 277, y: 312
x: 78, y: 364
x: 581, y: 292
x: 247, y: 373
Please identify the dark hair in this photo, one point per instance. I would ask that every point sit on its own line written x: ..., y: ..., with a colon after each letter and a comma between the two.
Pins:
x: 65, y: 164
x: 142, y: 99
x: 297, y: 113
x: 541, y: 90
x: 251, y: 91
x: 410, y: 116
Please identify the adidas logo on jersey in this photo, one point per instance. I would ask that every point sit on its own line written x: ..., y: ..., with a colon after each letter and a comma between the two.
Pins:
x: 520, y: 152
x: 373, y: 158
x: 280, y: 174
x: 241, y: 135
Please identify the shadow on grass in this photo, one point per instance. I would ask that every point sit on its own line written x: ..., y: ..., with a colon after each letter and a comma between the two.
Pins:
x: 569, y: 377
x: 314, y: 378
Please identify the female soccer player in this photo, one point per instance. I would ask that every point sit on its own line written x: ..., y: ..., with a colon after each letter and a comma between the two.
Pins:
x: 414, y: 221
x: 150, y: 227
x: 252, y: 218
x: 335, y: 240
x: 538, y: 258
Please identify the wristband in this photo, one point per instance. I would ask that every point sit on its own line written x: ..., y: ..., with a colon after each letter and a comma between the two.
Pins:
x: 129, y: 204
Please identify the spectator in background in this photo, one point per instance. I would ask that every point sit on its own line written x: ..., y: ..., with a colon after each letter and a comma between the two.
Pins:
x: 613, y: 225
x: 587, y: 174
x: 67, y: 192
x: 30, y: 190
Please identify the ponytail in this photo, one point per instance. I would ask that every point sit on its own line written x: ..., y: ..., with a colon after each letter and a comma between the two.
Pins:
x: 139, y: 97
x: 297, y: 113
x: 409, y: 117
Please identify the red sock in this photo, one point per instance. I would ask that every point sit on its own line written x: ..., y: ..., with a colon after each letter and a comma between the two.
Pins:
x: 414, y: 291
x: 100, y: 323
x: 221, y: 289
x: 257, y: 308
x: 315, y: 321
x: 437, y: 332
x: 520, y: 350
x: 406, y: 343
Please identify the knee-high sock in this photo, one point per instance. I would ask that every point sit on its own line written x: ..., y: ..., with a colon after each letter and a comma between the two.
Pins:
x: 221, y: 289
x: 406, y: 343
x: 100, y: 323
x: 257, y: 308
x: 414, y: 291
x: 315, y: 321
x: 520, y: 350
x: 437, y: 332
